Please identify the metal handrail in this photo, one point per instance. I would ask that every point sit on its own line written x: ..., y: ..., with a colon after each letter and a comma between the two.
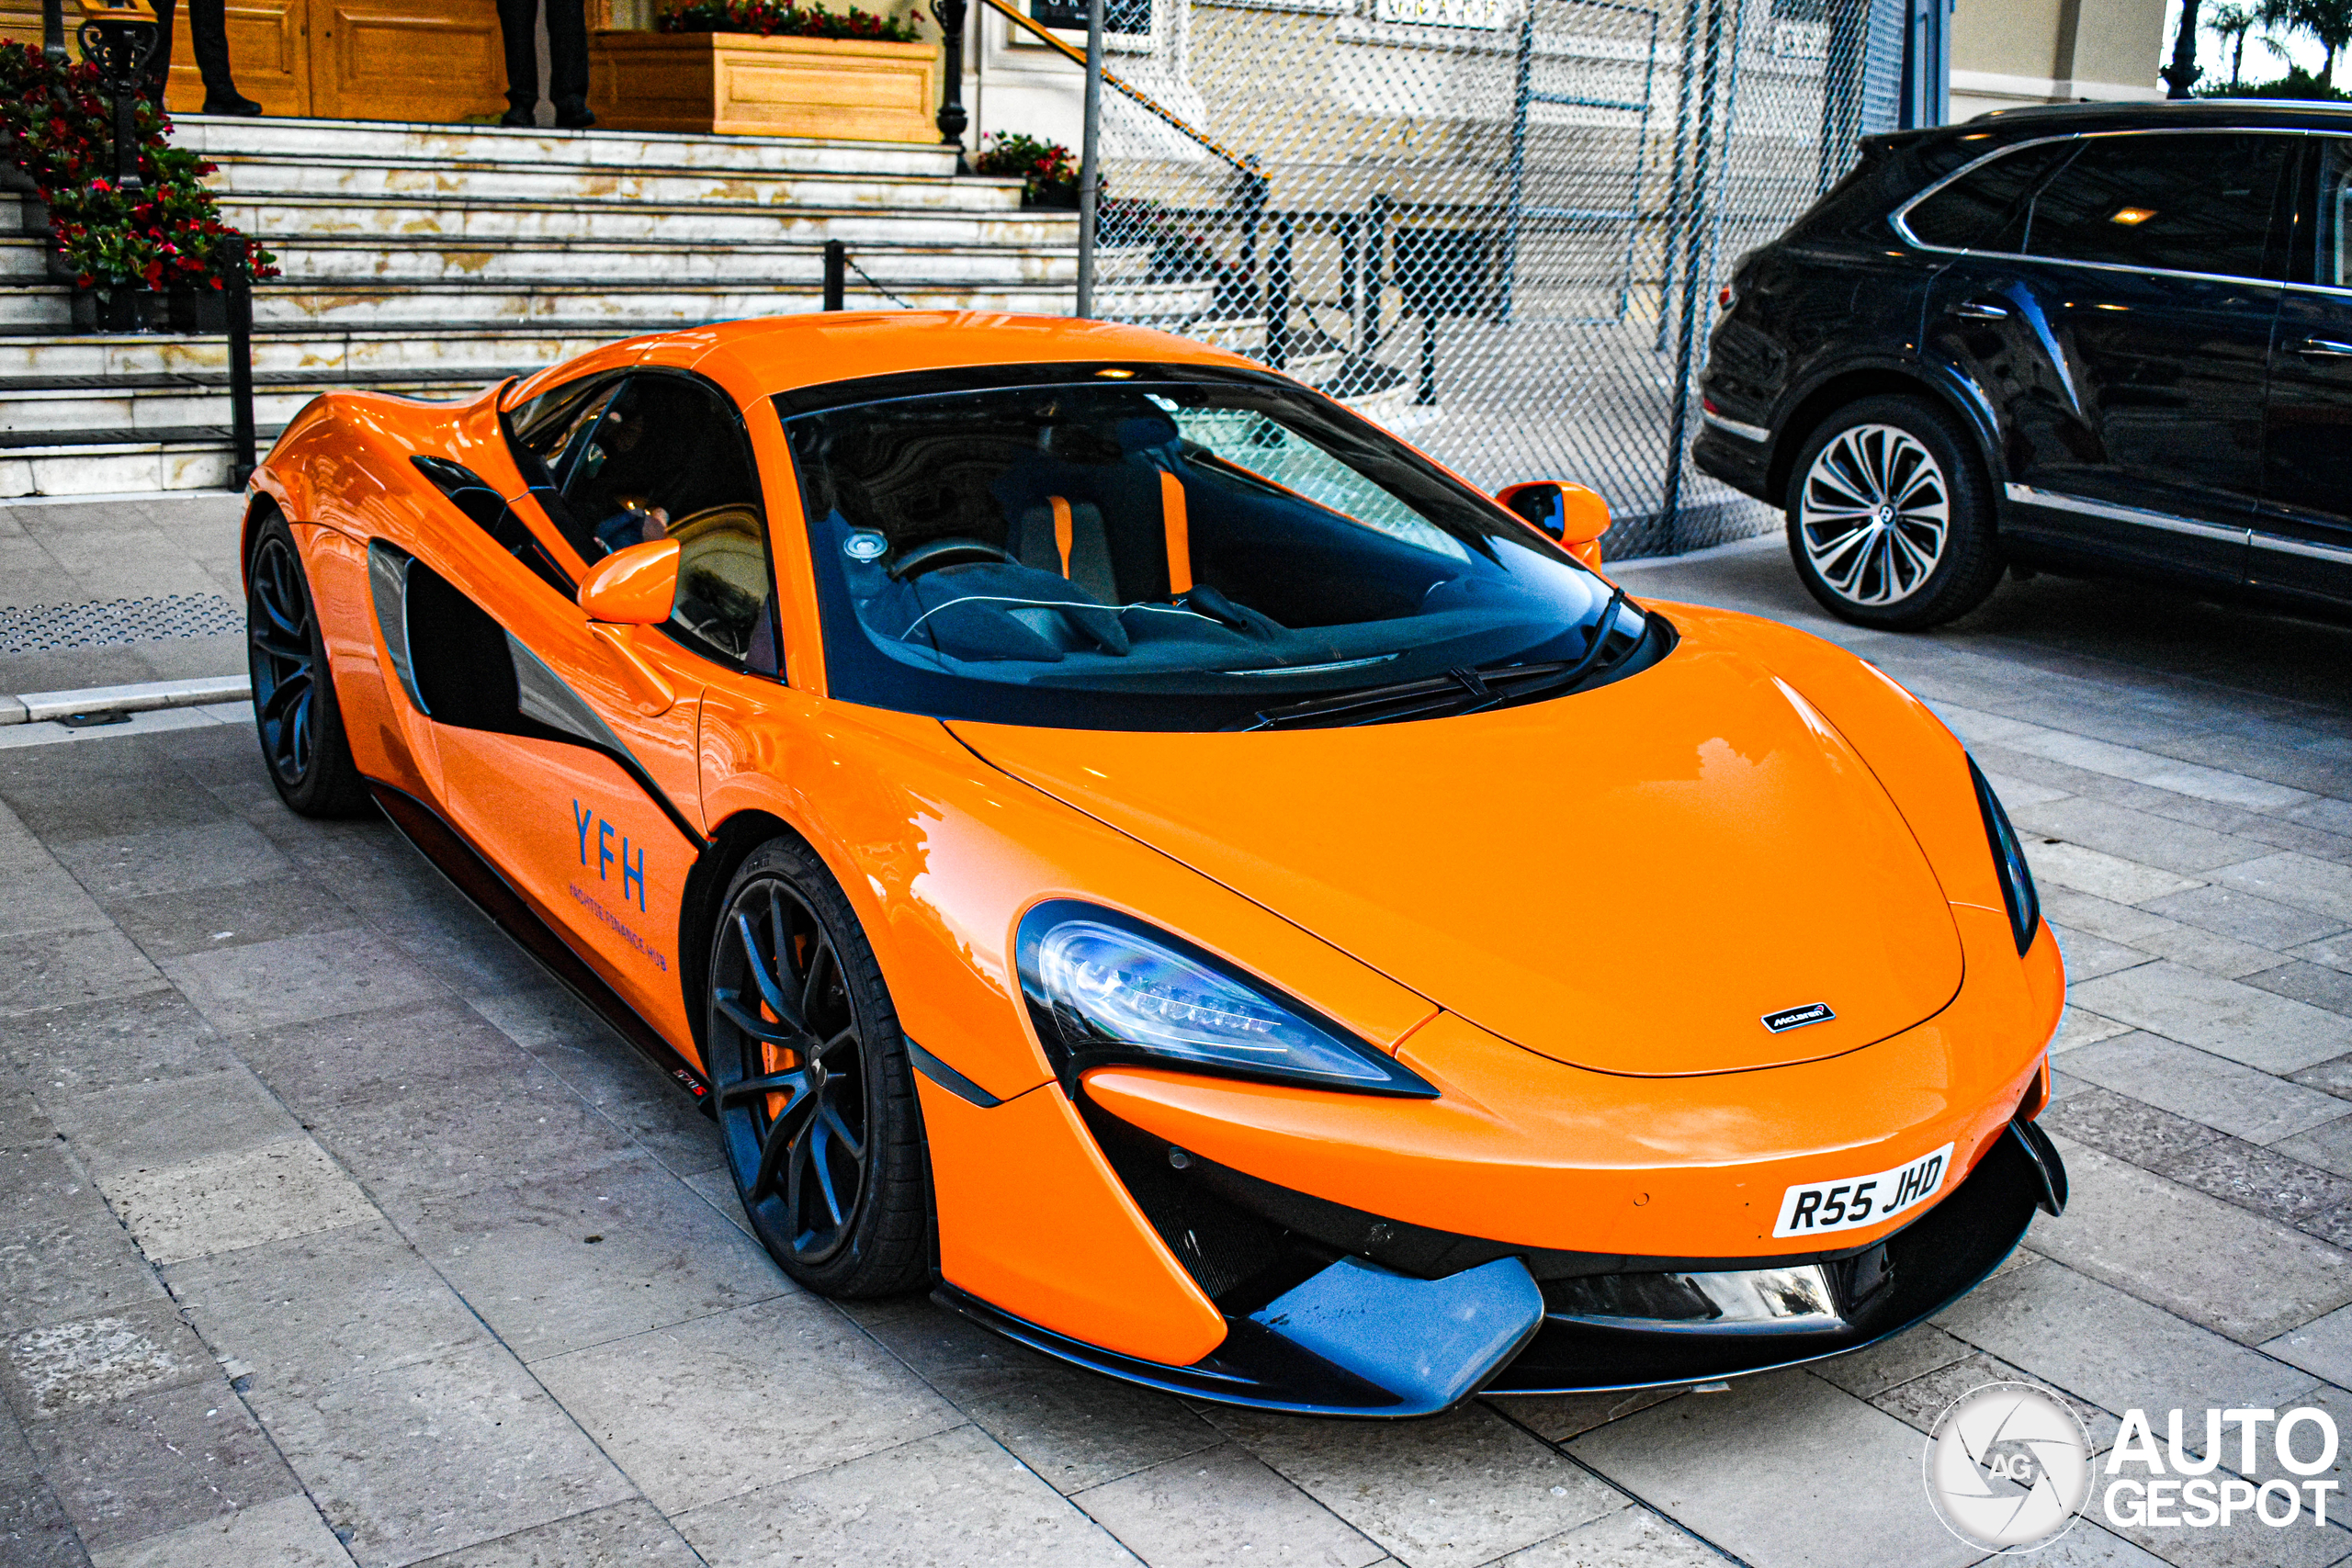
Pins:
x: 1241, y: 161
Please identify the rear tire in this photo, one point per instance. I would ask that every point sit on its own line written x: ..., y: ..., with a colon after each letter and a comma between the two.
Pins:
x: 811, y: 1082
x: 295, y: 712
x: 1891, y: 522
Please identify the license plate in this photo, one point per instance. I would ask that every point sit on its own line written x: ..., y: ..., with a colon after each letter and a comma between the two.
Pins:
x: 1819, y: 1207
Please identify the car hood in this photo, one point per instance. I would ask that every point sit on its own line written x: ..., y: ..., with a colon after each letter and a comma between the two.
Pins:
x: 1630, y: 879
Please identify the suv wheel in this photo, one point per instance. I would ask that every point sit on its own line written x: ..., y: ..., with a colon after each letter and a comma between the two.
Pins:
x: 1890, y: 519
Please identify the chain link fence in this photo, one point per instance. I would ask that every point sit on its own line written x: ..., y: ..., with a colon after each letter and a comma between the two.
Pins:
x: 1495, y: 226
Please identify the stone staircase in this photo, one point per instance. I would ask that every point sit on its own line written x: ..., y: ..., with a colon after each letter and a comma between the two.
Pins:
x: 432, y: 260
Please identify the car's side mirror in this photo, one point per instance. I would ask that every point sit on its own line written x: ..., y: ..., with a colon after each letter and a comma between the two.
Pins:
x: 633, y: 587
x: 1572, y: 515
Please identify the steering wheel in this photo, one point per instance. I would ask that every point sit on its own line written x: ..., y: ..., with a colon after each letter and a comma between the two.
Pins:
x: 947, y: 552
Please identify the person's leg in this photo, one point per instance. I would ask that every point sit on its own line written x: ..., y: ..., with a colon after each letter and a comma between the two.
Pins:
x: 518, y: 22
x: 159, y: 65
x: 207, y: 37
x: 568, y: 62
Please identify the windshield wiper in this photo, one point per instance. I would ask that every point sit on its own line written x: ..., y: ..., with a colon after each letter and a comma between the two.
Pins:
x: 1459, y: 691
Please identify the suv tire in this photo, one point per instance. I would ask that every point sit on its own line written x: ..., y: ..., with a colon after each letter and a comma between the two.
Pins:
x: 1890, y: 517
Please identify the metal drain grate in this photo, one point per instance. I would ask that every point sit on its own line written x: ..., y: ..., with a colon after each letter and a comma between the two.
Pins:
x: 33, y: 628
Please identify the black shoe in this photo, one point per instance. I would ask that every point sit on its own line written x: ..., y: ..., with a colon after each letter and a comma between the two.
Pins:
x: 573, y: 114
x: 230, y: 102
x: 521, y: 119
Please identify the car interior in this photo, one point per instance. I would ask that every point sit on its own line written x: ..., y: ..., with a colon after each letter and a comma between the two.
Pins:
x: 1053, y: 524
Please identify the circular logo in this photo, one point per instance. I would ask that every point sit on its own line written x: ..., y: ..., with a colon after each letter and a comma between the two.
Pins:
x: 865, y: 546
x: 2009, y: 1467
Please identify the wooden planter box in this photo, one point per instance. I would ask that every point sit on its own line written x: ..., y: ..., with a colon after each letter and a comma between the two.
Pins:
x: 740, y: 83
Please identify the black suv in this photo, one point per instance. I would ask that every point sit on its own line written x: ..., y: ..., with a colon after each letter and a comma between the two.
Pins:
x: 2090, y: 338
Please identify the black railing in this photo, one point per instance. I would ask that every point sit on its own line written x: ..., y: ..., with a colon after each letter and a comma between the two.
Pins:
x: 836, y: 274
x: 1248, y: 205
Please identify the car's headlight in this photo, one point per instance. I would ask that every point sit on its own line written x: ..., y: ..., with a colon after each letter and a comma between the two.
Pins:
x: 2009, y: 855
x: 1104, y: 987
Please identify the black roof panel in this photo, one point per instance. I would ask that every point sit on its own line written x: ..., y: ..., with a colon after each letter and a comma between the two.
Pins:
x: 2250, y: 112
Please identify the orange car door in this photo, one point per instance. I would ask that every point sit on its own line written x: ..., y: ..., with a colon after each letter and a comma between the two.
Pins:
x: 567, y: 755
x: 667, y: 458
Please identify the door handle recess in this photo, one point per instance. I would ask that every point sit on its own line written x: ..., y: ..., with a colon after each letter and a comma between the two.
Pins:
x: 2324, y: 348
x: 1985, y: 311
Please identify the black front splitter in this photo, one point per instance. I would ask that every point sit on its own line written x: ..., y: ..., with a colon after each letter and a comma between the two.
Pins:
x: 1942, y: 1255
x: 1934, y: 1262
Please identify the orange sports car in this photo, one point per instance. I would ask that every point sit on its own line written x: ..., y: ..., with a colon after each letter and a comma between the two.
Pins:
x: 1116, y: 839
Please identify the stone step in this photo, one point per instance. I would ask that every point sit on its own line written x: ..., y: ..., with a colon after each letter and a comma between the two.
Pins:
x: 90, y: 414
x: 222, y: 137
x: 30, y: 307
x: 433, y: 260
x: 24, y: 261
x: 527, y: 182
x: 498, y: 266
x: 66, y: 415
x: 116, y: 468
x: 326, y: 354
x: 289, y: 219
x: 238, y: 177
x: 601, y: 310
x: 625, y: 309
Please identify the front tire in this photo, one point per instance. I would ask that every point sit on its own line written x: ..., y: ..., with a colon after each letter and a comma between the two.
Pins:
x: 813, y: 1088
x: 295, y: 712
x: 1890, y: 519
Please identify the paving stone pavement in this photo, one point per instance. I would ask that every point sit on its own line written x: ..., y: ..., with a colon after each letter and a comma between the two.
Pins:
x: 108, y: 547
x: 331, y: 1233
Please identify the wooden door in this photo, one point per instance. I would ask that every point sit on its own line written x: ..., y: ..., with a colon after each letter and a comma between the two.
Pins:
x: 434, y: 60
x: 268, y: 55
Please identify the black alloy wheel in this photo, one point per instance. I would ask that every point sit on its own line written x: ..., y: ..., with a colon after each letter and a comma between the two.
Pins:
x: 295, y: 712
x: 814, y: 1092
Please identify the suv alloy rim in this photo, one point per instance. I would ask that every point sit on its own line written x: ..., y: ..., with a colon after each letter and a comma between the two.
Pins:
x: 781, y: 1016
x: 277, y: 628
x: 1874, y: 515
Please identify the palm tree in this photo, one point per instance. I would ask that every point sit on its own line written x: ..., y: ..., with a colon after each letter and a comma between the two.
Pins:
x: 2231, y: 23
x: 2327, y: 23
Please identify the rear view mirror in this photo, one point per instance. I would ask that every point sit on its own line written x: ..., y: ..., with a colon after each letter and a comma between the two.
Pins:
x: 633, y: 587
x: 1570, y: 513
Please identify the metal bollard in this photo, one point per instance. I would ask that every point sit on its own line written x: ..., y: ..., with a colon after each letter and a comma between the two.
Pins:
x: 952, y: 120
x: 1278, y: 297
x: 241, y: 361
x: 836, y: 273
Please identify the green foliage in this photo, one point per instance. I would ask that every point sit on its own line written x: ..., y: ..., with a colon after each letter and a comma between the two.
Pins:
x: 2231, y: 24
x: 781, y: 19
x: 2296, y: 83
x: 2327, y: 23
x: 1047, y: 170
x: 60, y: 129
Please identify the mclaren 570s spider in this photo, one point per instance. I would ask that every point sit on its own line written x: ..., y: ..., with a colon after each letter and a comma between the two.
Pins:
x: 1119, y: 840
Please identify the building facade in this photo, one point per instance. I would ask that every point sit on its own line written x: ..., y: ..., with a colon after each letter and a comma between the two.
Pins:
x: 2005, y: 53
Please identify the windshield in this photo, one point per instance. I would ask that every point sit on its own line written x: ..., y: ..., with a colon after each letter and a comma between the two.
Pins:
x: 1121, y: 551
